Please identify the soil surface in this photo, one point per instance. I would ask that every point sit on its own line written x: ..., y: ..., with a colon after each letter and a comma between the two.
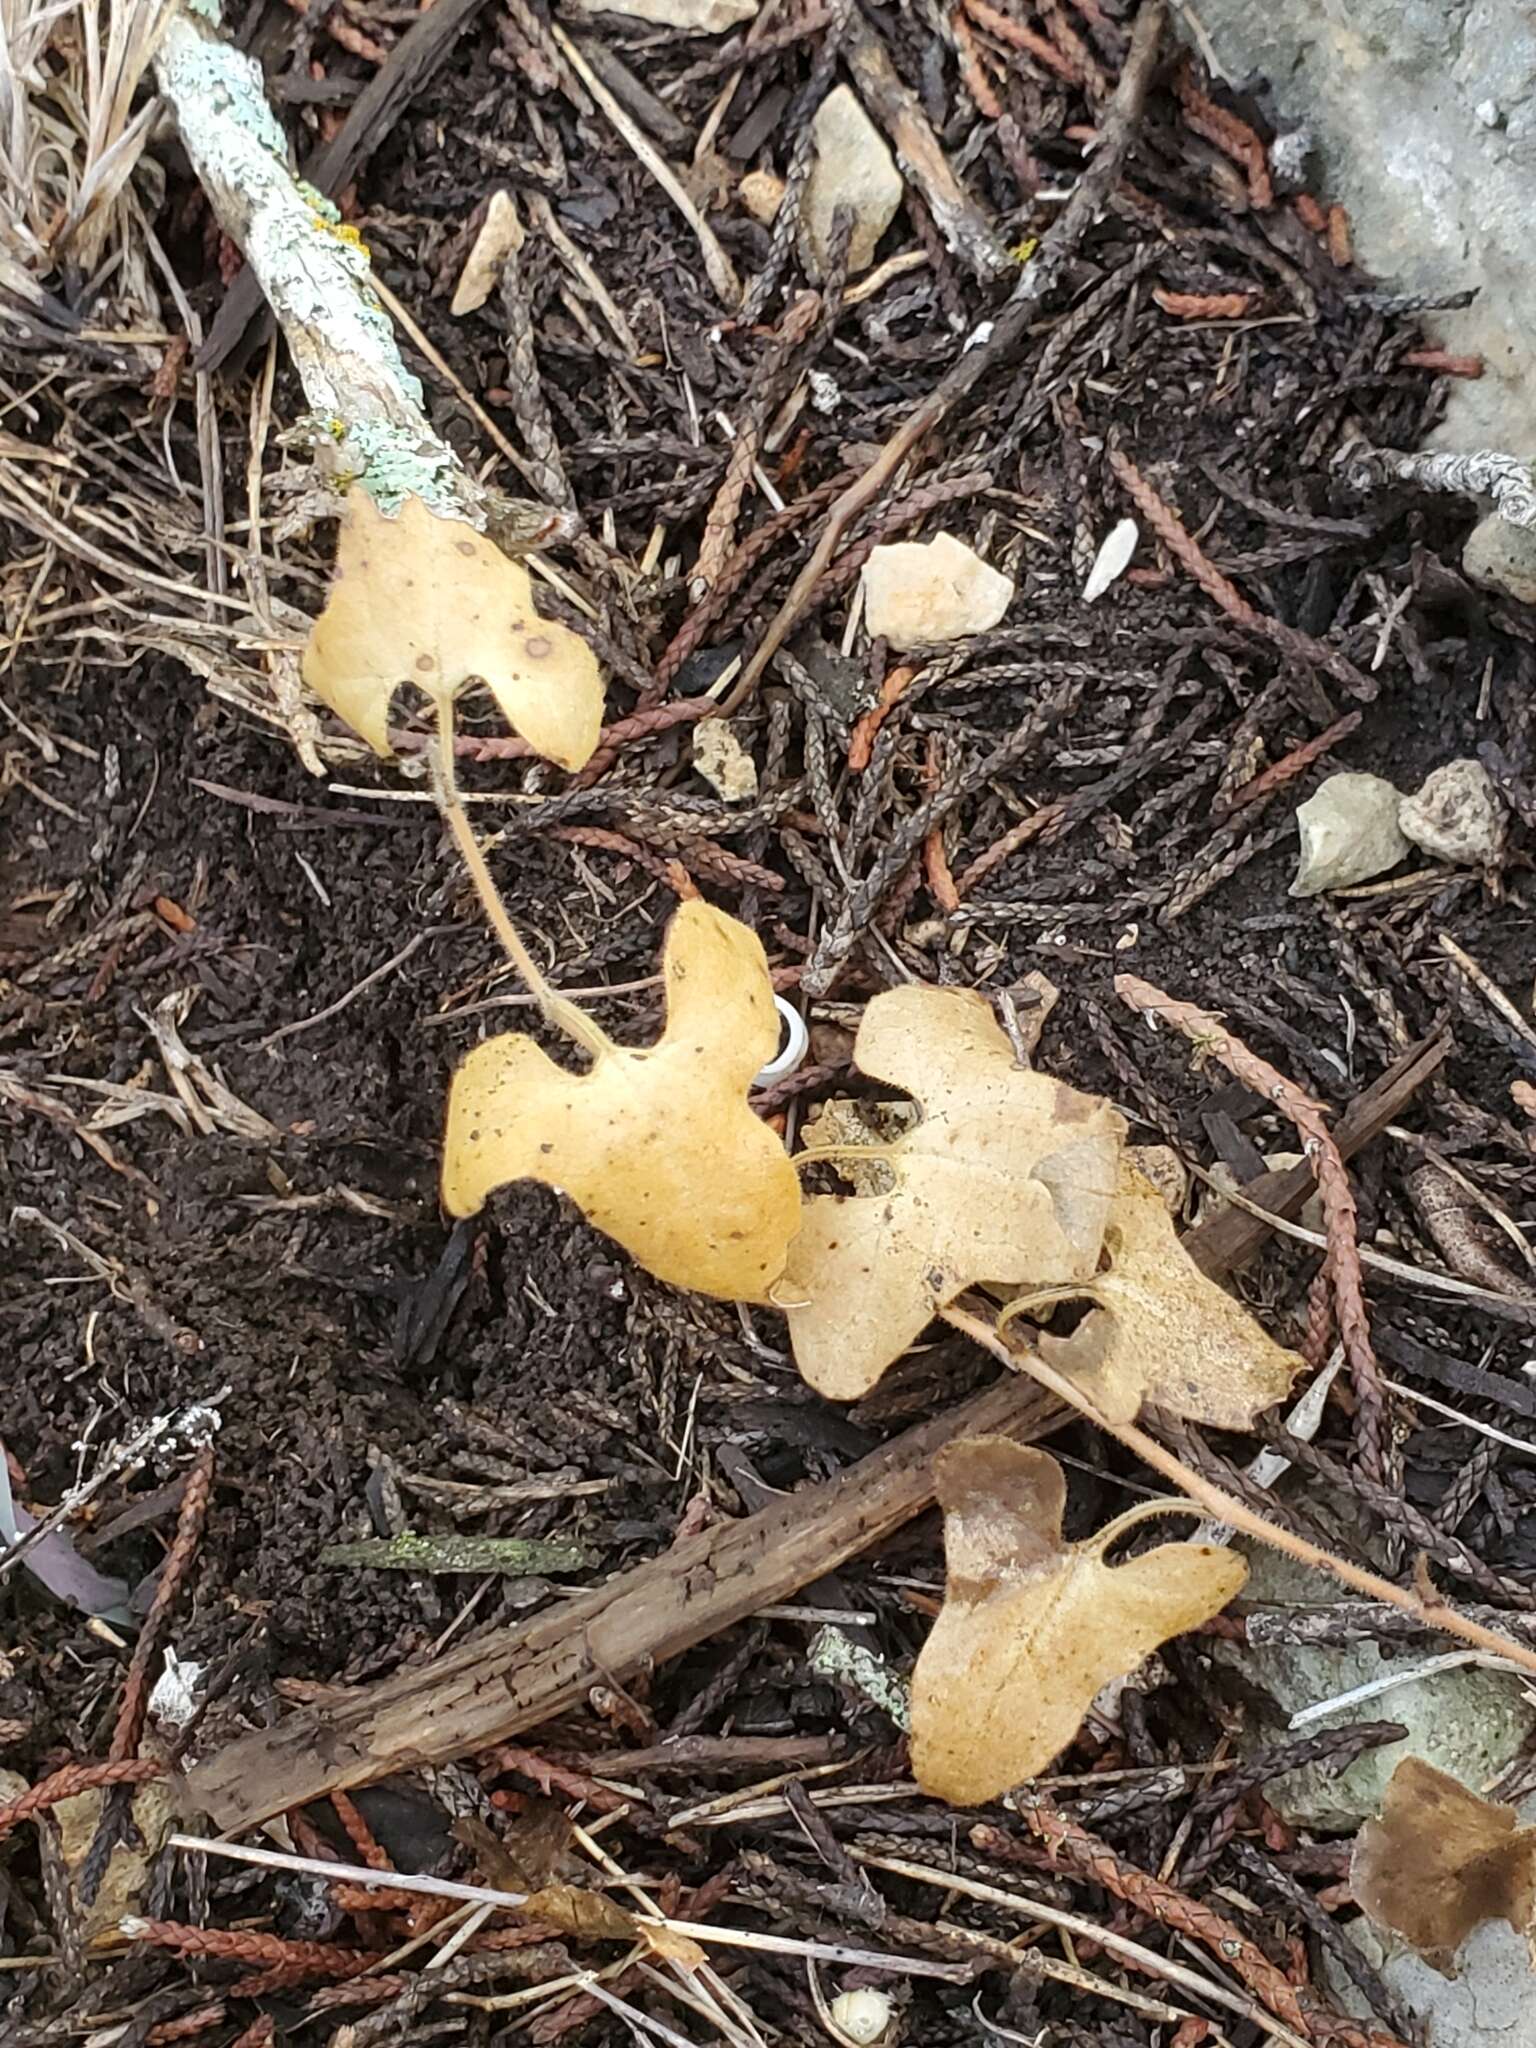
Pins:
x: 262, y: 1229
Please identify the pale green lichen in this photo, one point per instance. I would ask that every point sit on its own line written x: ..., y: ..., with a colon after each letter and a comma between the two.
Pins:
x: 838, y: 1656
x: 393, y: 465
x: 316, y: 273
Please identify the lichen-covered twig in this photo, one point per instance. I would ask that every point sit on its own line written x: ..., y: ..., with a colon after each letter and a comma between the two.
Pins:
x: 367, y: 409
x: 1484, y: 473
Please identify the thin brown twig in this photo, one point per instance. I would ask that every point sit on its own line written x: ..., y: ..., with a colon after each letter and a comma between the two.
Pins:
x: 245, y: 1945
x: 1072, y: 1848
x: 178, y: 1562
x: 1289, y: 766
x: 71, y: 1779
x: 1186, y: 550
x: 1233, y: 137
x: 1426, y: 1607
x: 1211, y: 1036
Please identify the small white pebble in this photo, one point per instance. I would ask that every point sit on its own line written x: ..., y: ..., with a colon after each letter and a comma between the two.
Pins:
x: 862, y: 2016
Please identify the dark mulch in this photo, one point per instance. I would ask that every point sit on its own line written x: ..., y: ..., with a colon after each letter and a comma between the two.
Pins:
x: 159, y: 840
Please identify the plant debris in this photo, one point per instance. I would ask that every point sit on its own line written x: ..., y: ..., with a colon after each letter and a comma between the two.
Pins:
x: 1164, y: 1332
x: 1441, y: 1860
x: 420, y: 599
x: 657, y: 1145
x: 1033, y: 1626
x: 1007, y: 1176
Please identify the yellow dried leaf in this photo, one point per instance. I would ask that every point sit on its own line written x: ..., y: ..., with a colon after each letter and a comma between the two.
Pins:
x: 1008, y: 1176
x: 1033, y: 1626
x: 657, y: 1146
x: 428, y: 601
x: 1165, y: 1332
x: 1440, y: 1861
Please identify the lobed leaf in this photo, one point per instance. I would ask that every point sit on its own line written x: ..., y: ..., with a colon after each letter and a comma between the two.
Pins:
x: 1008, y: 1176
x: 1440, y: 1861
x: 429, y: 601
x: 658, y: 1145
x: 1033, y: 1626
x: 1165, y: 1331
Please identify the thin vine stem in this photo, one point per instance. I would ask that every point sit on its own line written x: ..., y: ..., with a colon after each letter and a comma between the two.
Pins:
x: 555, y: 1008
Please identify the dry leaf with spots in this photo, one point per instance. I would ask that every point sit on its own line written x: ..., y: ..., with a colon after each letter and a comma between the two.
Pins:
x: 1008, y: 1176
x: 1032, y: 1626
x: 1164, y: 1331
x: 428, y: 601
x: 1440, y: 1861
x: 656, y: 1145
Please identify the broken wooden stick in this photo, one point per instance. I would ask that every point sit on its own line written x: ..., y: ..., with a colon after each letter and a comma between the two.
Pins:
x: 492, y: 1688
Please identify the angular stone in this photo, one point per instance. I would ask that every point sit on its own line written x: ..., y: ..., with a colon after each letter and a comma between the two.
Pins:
x: 1502, y: 558
x: 853, y: 168
x: 916, y: 592
x: 1349, y: 834
x: 1467, y: 1721
x: 723, y: 761
x: 500, y: 233
x: 1456, y: 816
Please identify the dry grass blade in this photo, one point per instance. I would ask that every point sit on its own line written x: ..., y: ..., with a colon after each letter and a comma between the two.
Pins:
x: 68, y: 136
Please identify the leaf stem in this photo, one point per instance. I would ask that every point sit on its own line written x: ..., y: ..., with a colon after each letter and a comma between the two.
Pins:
x: 1432, y: 1614
x: 553, y: 1007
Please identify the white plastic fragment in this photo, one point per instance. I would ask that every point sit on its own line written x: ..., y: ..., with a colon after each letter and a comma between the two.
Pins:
x: 174, y: 1699
x: 795, y: 1040
x: 1112, y: 560
x: 1349, y: 834
x: 923, y: 591
x: 853, y: 168
x: 1456, y: 816
x: 862, y: 2017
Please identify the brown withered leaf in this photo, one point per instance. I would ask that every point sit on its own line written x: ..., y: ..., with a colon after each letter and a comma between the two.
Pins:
x: 428, y: 601
x: 1166, y: 1332
x: 1440, y: 1861
x: 1008, y: 1176
x: 1032, y: 1626
x: 582, y: 1914
x: 656, y: 1145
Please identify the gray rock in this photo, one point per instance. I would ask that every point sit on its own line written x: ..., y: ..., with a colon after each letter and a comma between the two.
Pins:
x: 1489, y: 2003
x: 1396, y: 97
x: 853, y: 168
x: 1469, y: 1722
x: 1456, y: 816
x: 1349, y: 833
x: 1502, y: 558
